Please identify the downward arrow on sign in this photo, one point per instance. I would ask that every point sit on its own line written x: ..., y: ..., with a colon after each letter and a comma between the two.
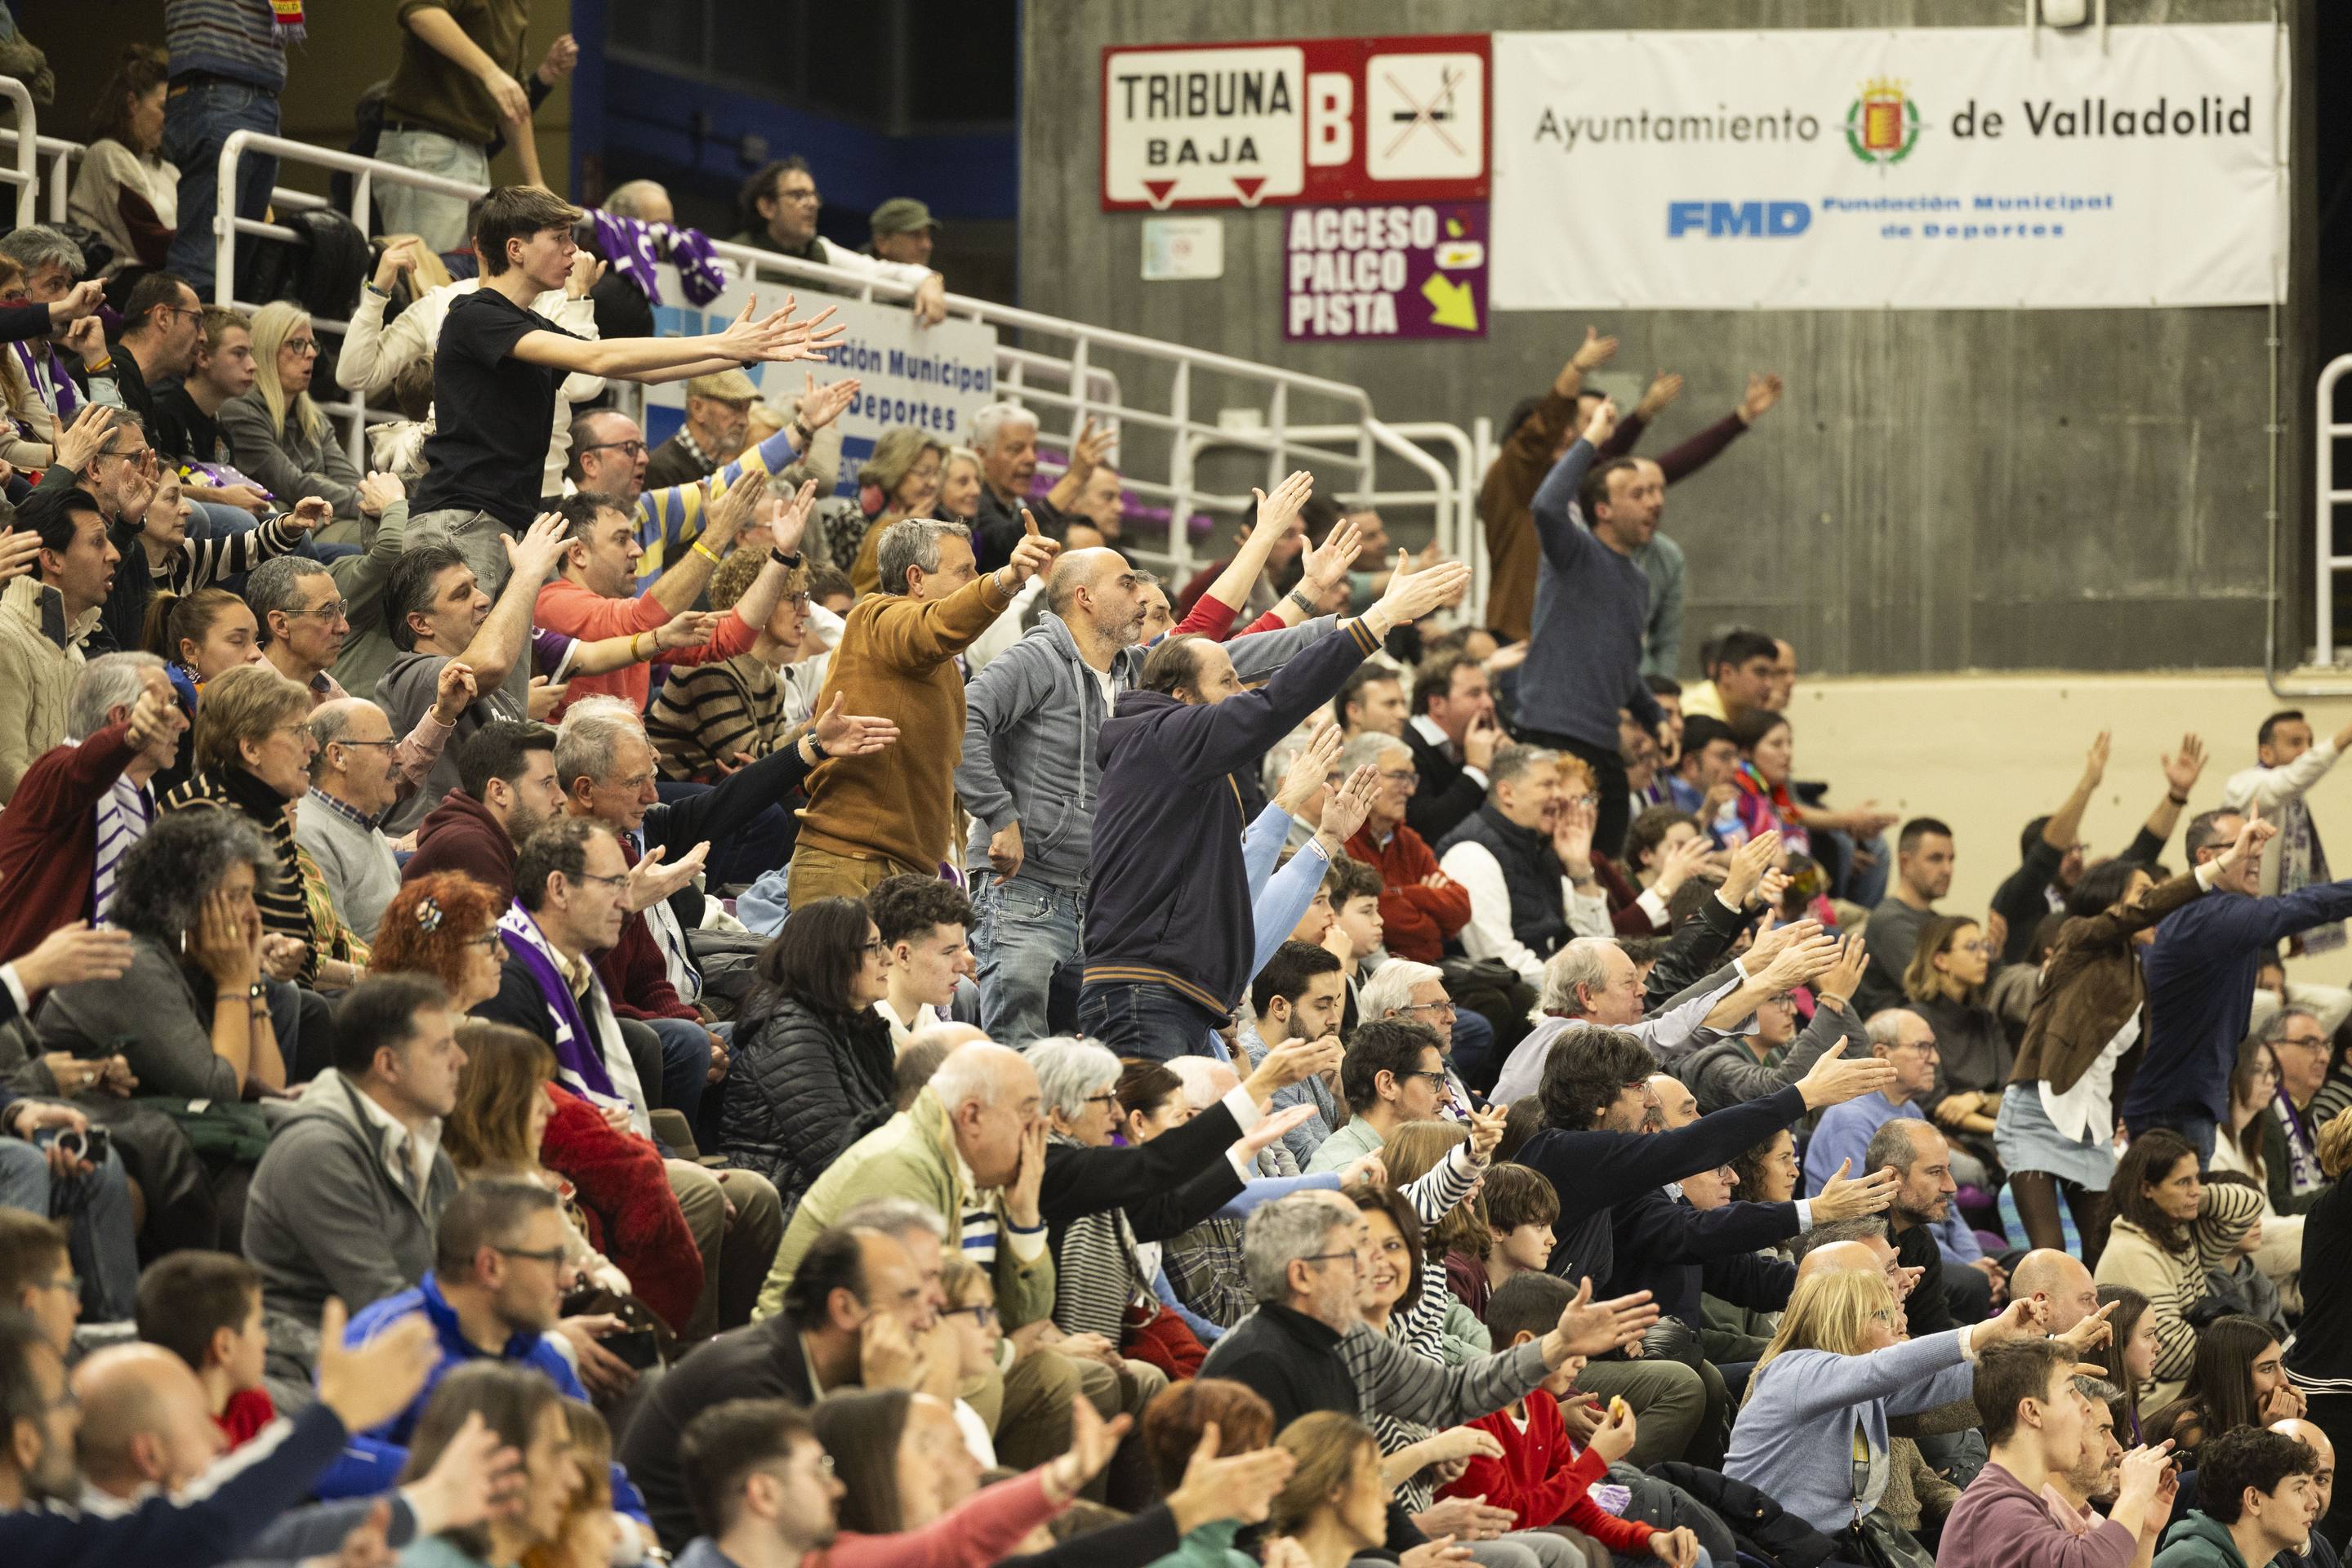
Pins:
x: 1159, y: 191
x: 1452, y: 304
x: 1248, y: 185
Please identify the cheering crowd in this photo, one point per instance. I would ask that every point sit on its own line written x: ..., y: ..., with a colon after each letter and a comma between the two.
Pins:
x: 566, y: 1001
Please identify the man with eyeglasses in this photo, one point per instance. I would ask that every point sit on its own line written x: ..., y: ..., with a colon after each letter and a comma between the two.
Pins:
x: 2304, y: 1051
x: 1422, y: 908
x: 1394, y: 1072
x: 574, y: 890
x: 780, y: 205
x: 158, y: 343
x: 354, y: 780
x: 852, y: 1318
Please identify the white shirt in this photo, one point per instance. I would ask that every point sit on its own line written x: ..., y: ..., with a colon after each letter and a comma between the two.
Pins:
x: 1427, y: 729
x: 1489, y: 933
x: 925, y: 1016
x: 1665, y: 1034
x: 2085, y: 1109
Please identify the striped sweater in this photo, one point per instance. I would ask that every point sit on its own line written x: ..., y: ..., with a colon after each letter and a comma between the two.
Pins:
x: 278, y: 893
x: 707, y: 713
x: 235, y: 38
x: 2174, y: 1282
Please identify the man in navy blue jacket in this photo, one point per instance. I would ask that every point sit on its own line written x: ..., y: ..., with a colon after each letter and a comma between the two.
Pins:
x: 219, y: 1517
x: 1168, y: 934
x: 2200, y: 980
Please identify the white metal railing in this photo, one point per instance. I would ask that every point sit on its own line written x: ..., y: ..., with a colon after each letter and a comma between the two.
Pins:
x: 24, y: 173
x: 1169, y: 402
x: 2329, y: 495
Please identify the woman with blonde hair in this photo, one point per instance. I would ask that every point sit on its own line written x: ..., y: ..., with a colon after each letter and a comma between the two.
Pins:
x: 281, y: 438
x: 1811, y: 1432
x: 905, y: 471
x: 959, y: 482
x: 1335, y: 1507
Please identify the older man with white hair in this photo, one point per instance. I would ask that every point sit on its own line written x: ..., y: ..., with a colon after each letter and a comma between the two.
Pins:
x: 354, y: 781
x: 1422, y: 908
x: 1006, y: 436
x: 1307, y: 1260
x: 1591, y: 981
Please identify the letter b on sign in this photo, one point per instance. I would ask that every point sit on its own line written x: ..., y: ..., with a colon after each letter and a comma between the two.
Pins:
x: 1330, y: 119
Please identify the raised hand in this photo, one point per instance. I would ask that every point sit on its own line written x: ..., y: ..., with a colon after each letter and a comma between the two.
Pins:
x: 2023, y: 1319
x: 543, y: 544
x: 2182, y: 768
x: 821, y: 406
x: 83, y: 300
x: 83, y: 439
x: 1838, y: 982
x: 398, y: 257
x: 476, y: 1477
x: 1663, y: 388
x: 839, y: 734
x: 1486, y: 1129
x: 2249, y: 843
x: 1347, y: 805
x: 454, y: 691
x: 776, y: 336
x: 1413, y: 594
x: 1595, y: 351
x: 1272, y: 1128
x: 1602, y: 423
x: 74, y: 953
x: 651, y: 881
x: 1090, y: 449
x: 368, y: 1384
x: 378, y: 491
x: 1834, y: 1078
x: 1748, y: 864
x: 1588, y: 1327
x: 1798, y: 962
x: 1033, y: 554
x: 1763, y: 392
x: 2091, y: 1332
x: 1093, y: 1441
x: 1275, y: 511
x: 687, y: 628
x: 310, y: 514
x: 1311, y: 765
x: 20, y: 548
x: 2094, y: 762
x: 1240, y: 1487
x: 1679, y: 864
x: 790, y: 524
x: 1842, y: 1199
x: 1325, y: 567
x: 86, y: 338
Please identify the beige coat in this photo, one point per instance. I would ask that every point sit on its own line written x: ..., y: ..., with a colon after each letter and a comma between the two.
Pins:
x: 40, y: 658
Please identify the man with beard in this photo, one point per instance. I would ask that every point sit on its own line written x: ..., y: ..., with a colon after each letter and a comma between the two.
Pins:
x: 506, y: 789
x: 1031, y: 770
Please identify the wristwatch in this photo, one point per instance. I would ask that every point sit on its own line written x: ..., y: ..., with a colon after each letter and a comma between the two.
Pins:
x: 1305, y: 606
x: 791, y: 562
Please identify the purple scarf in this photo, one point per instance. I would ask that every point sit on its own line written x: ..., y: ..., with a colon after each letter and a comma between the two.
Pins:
x: 636, y: 248
x: 579, y: 1061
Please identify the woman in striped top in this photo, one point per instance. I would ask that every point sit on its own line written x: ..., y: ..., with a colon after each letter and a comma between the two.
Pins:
x: 179, y: 564
x: 710, y: 718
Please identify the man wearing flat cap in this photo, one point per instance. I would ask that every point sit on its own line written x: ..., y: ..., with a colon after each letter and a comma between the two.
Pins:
x: 903, y: 229
x: 717, y: 422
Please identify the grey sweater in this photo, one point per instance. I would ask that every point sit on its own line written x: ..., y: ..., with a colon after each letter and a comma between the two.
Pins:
x: 357, y: 861
x: 1030, y: 753
x: 325, y: 1216
x: 1592, y: 611
x: 154, y: 1015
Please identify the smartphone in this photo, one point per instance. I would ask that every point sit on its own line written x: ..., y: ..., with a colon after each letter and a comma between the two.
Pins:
x: 636, y: 1346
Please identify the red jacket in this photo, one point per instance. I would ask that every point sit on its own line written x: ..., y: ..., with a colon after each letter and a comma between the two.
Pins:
x: 460, y: 834
x: 635, y: 1218
x: 48, y: 844
x: 1416, y: 921
x: 1544, y: 1479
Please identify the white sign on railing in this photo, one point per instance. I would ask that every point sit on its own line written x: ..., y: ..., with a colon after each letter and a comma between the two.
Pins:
x: 934, y: 378
x: 1911, y: 168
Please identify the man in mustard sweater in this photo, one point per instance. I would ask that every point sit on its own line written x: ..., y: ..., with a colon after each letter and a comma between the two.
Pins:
x: 870, y: 817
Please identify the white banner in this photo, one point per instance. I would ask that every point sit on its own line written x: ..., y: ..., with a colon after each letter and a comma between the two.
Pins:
x: 935, y: 378
x: 1913, y: 168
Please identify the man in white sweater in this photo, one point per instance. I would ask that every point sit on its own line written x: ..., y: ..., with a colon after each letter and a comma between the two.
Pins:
x: 2288, y: 761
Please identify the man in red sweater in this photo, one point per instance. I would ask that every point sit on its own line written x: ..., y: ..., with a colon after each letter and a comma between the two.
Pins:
x: 1422, y: 908
x: 506, y: 788
x: 126, y: 726
x: 1541, y: 1475
x: 595, y: 593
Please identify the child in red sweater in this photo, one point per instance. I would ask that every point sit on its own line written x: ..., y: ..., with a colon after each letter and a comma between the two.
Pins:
x: 205, y: 1309
x: 1542, y: 1476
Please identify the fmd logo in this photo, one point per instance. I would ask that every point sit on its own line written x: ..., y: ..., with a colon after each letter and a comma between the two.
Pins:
x: 1738, y: 220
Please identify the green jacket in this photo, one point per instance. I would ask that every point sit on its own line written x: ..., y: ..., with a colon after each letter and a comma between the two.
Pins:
x: 912, y: 1156
x: 1210, y: 1546
x: 2198, y: 1542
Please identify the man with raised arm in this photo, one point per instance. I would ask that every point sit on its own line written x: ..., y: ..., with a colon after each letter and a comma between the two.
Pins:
x: 2051, y: 857
x: 496, y: 366
x: 1169, y: 930
x: 1593, y: 602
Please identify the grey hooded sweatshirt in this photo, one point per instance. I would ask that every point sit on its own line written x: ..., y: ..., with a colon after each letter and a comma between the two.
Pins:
x: 1030, y: 751
x: 326, y: 1217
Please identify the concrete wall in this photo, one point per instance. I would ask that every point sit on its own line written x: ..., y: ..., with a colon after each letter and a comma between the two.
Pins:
x: 1987, y: 753
x: 1940, y: 490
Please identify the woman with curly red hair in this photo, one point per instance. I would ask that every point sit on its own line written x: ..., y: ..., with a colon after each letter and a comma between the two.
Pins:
x: 445, y: 925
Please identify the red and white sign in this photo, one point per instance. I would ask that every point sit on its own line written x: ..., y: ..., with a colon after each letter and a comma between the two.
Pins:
x: 1314, y: 120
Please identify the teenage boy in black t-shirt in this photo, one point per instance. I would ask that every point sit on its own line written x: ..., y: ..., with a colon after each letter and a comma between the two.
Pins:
x: 497, y: 365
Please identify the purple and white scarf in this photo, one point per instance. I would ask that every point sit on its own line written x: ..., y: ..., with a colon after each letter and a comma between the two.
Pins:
x: 580, y: 1059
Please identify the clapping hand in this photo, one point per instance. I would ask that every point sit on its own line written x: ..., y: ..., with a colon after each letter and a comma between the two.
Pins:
x: 821, y: 406
x: 1311, y: 765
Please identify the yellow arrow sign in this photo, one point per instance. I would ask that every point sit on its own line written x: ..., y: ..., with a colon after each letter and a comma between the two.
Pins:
x: 1451, y: 303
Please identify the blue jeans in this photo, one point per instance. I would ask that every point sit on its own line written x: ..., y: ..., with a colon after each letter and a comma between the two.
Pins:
x: 685, y: 1066
x: 99, y: 1237
x: 1028, y: 936
x: 197, y: 119
x: 2193, y: 1125
x: 1139, y: 1018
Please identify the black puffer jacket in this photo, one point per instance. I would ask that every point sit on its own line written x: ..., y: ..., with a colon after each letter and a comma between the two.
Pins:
x: 806, y: 1083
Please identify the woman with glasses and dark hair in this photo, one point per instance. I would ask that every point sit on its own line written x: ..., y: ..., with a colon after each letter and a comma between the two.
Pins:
x: 2171, y: 1226
x: 813, y: 1059
x: 1945, y: 984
